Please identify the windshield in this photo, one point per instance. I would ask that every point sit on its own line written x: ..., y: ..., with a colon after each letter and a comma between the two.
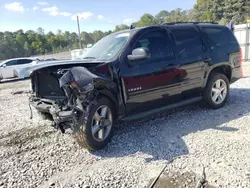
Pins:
x: 108, y: 47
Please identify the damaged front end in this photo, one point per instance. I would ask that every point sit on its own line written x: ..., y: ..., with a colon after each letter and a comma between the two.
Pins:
x: 79, y: 86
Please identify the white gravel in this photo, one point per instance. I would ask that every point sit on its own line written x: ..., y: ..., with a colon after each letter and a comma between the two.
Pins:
x: 33, y: 154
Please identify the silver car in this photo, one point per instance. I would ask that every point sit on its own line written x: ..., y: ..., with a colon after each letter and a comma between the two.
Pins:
x: 7, y: 67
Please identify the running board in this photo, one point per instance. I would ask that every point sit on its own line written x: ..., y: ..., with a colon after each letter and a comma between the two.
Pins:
x: 161, y: 109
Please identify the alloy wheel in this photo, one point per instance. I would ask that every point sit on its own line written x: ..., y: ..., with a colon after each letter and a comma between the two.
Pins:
x: 219, y: 91
x: 102, y: 123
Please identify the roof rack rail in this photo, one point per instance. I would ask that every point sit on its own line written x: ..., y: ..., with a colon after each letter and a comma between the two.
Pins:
x: 175, y: 23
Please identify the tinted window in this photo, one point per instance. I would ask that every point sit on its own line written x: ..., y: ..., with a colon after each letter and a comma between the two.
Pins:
x: 220, y: 36
x: 24, y: 61
x: 158, y: 44
x: 187, y: 40
x: 11, y: 63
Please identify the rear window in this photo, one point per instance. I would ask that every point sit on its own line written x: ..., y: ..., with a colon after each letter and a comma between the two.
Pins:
x: 220, y: 36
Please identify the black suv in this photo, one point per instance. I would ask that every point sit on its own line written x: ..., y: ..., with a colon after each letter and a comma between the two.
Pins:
x: 135, y: 73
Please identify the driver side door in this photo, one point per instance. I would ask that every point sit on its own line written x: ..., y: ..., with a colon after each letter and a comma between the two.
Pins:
x: 152, y: 82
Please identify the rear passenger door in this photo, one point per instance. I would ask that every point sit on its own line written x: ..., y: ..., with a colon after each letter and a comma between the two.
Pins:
x: 223, y: 44
x: 193, y: 56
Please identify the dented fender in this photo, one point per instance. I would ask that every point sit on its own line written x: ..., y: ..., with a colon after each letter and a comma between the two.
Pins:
x: 82, y: 87
x: 87, y: 81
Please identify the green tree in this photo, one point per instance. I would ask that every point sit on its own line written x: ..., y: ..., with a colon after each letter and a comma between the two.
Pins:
x: 121, y: 27
x: 86, y: 38
x: 40, y: 31
x: 161, y: 16
x: 203, y: 10
x: 178, y: 15
x: 146, y: 20
x: 236, y: 10
x: 28, y: 49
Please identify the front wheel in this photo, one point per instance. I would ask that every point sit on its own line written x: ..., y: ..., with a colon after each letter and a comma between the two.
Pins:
x: 97, y: 133
x: 217, y: 90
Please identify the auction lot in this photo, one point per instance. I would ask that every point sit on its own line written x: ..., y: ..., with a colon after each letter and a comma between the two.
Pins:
x: 33, y: 154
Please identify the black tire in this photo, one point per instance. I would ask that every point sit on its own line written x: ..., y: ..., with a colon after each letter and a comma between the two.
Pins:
x: 46, y: 116
x: 84, y: 136
x: 207, y: 96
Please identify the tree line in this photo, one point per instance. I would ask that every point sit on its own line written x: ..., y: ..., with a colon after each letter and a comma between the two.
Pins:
x: 29, y: 43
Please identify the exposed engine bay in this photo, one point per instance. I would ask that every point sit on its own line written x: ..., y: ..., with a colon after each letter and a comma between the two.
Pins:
x: 66, y: 94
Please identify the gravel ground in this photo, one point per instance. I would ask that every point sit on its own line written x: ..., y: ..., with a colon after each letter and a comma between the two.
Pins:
x: 33, y: 154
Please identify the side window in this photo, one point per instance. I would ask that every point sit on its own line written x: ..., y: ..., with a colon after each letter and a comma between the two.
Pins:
x: 11, y: 63
x: 24, y: 61
x: 158, y: 43
x: 187, y: 41
x: 220, y: 36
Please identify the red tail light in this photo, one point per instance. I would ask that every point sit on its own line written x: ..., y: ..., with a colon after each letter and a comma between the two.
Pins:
x: 241, y: 62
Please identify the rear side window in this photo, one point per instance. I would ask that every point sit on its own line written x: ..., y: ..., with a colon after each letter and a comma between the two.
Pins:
x: 24, y: 61
x: 220, y: 36
x: 187, y: 40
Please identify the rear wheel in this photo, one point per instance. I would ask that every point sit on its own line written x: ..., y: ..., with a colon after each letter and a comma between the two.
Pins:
x: 97, y: 133
x: 217, y: 90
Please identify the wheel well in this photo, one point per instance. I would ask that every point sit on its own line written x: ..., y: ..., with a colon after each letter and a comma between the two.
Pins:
x: 224, y: 69
x: 112, y: 100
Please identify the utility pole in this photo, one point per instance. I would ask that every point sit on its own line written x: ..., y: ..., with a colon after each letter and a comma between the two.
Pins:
x: 207, y: 11
x: 79, y: 33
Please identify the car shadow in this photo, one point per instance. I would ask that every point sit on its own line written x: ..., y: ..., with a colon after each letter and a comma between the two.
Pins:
x: 161, y: 137
x: 4, y: 81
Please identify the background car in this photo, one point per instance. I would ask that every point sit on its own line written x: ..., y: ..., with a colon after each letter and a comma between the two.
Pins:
x: 7, y: 67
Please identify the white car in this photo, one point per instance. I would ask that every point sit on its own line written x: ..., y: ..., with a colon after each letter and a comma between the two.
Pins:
x: 7, y: 67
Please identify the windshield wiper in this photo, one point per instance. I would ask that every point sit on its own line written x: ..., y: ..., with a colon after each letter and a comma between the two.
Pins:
x: 89, y: 58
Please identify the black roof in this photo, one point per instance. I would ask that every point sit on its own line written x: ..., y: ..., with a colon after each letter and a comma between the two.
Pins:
x: 171, y: 24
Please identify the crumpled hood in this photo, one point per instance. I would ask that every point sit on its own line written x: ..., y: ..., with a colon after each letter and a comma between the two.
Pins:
x: 29, y: 70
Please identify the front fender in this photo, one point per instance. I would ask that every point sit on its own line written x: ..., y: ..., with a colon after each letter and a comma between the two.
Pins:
x: 84, y: 78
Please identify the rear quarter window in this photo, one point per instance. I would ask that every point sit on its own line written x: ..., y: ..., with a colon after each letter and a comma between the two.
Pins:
x: 220, y: 36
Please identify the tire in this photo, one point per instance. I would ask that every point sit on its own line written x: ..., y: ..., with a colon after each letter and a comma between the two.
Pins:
x: 212, y: 90
x: 85, y: 136
x: 46, y: 116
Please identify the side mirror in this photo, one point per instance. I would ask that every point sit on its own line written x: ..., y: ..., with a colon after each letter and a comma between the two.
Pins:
x: 4, y: 65
x: 139, y: 54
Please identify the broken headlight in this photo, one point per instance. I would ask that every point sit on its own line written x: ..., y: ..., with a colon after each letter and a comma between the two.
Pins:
x: 84, y: 89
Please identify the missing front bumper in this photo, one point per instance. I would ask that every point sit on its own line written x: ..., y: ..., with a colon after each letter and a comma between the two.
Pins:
x: 50, y: 107
x: 62, y: 119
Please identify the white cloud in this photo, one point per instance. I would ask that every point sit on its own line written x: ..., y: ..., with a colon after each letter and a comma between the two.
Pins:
x: 50, y: 9
x: 65, y: 13
x: 42, y: 3
x: 100, y: 17
x: 83, y: 15
x: 128, y: 21
x: 35, y: 8
x: 15, y: 6
x: 53, y: 11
